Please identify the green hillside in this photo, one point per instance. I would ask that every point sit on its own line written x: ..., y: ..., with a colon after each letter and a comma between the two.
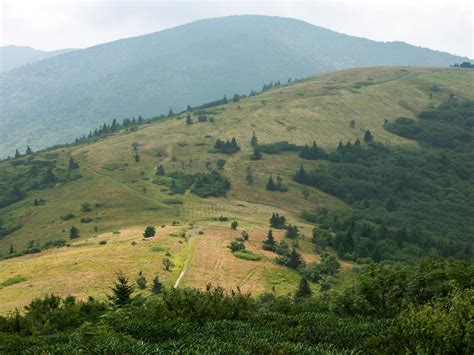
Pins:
x: 117, y: 177
x: 54, y: 100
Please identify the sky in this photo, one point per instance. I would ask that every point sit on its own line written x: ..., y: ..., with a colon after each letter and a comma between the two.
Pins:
x: 445, y: 25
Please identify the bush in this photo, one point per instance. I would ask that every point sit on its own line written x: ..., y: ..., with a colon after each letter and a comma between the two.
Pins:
x: 67, y: 216
x: 236, y: 245
x: 102, y: 242
x: 86, y: 220
x: 247, y: 255
x: 149, y: 232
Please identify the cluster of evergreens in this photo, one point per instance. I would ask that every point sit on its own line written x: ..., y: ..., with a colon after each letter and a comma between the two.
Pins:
x: 406, y: 202
x: 227, y: 147
x: 424, y: 308
x: 202, y: 184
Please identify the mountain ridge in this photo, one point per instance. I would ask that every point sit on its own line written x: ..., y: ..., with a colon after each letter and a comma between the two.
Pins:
x: 65, y: 96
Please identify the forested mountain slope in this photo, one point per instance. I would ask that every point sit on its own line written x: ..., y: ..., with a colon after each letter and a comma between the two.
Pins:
x: 54, y: 100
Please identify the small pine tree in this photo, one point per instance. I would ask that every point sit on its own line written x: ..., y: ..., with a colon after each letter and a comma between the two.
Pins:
x: 254, y: 140
x: 304, y: 291
x: 189, y: 120
x: 122, y: 291
x: 156, y: 286
x: 256, y: 155
x: 269, y: 243
x: 234, y: 225
x: 301, y: 175
x: 160, y: 170
x: 170, y: 113
x: 368, y: 136
x: 17, y: 153
x: 220, y: 164
x: 74, y: 232
x: 271, y: 186
x: 29, y: 151
x: 11, y: 250
x: 167, y: 264
x: 137, y: 158
x: 141, y: 281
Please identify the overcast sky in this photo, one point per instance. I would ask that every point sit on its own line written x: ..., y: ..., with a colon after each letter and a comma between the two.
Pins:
x: 445, y: 25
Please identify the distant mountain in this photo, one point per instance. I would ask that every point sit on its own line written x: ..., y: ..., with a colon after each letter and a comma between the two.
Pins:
x: 12, y: 57
x: 58, y: 99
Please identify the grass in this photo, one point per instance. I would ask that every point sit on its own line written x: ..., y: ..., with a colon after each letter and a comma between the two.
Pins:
x: 316, y: 109
x: 247, y: 255
x: 12, y: 281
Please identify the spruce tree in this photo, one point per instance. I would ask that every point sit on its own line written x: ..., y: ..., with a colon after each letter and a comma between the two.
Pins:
x: 269, y: 243
x: 160, y: 170
x: 29, y: 151
x: 17, y: 153
x: 256, y: 155
x: 254, y: 140
x: 304, y: 291
x: 294, y: 259
x: 122, y: 291
x: 74, y: 232
x: 301, y: 175
x: 248, y: 176
x: 141, y: 281
x: 271, y: 186
x: 368, y: 136
x: 156, y: 286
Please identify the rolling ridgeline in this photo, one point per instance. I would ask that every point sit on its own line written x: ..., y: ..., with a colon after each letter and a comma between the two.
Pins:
x: 388, y: 180
x: 52, y: 101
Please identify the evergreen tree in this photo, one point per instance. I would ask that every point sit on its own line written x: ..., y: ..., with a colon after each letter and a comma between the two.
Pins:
x: 189, y: 120
x: 141, y: 281
x: 137, y: 158
x: 269, y: 243
x: 256, y: 155
x: 292, y: 232
x: 168, y: 264
x: 156, y: 286
x: 224, y: 100
x: 271, y: 186
x: 234, y: 225
x: 357, y: 143
x: 11, y: 250
x: 17, y: 153
x: 301, y: 175
x: 72, y: 164
x: 304, y: 291
x: 29, y: 151
x: 368, y: 136
x: 122, y: 291
x: 170, y: 113
x: 236, y: 98
x: 254, y: 140
x: 160, y: 170
x: 74, y: 232
x: 294, y: 259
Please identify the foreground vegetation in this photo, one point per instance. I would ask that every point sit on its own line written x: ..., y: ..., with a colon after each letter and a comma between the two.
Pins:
x: 424, y: 308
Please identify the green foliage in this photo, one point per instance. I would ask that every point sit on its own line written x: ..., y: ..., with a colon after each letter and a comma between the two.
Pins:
x: 73, y: 232
x: 269, y: 243
x: 247, y: 255
x: 277, y: 221
x: 303, y: 291
x: 141, y: 281
x: 277, y: 148
x: 292, y: 259
x: 417, y: 201
x: 211, y: 184
x: 276, y: 186
x: 236, y: 245
x: 227, y: 147
x: 121, y: 291
x: 234, y: 225
x: 156, y: 286
x: 149, y: 232
x: 313, y: 152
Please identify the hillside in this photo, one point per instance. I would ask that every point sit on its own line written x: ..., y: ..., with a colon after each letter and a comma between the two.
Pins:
x: 12, y: 57
x: 55, y: 100
x: 125, y: 194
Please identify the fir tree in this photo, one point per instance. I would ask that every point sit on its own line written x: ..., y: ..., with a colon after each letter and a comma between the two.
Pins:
x: 17, y: 153
x: 141, y: 281
x: 248, y: 176
x: 29, y: 151
x: 74, y: 232
x: 254, y: 140
x: 160, y: 170
x: 368, y: 136
x: 304, y: 291
x: 149, y: 232
x: 122, y: 291
x: 269, y: 243
x: 271, y: 186
x: 156, y: 286
x: 72, y: 164
x: 256, y: 155
x: 301, y: 175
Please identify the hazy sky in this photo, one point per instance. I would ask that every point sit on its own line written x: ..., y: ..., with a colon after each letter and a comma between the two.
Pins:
x: 445, y: 25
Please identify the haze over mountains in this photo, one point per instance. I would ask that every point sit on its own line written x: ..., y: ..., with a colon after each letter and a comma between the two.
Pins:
x: 55, y: 100
x: 12, y: 57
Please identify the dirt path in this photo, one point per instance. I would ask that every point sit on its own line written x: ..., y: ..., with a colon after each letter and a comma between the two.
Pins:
x: 192, y: 233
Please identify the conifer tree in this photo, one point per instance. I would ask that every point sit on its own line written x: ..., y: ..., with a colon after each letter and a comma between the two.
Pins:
x: 17, y: 153
x: 189, y: 120
x: 141, y: 281
x: 74, y: 232
x: 304, y: 291
x: 271, y: 186
x: 156, y: 286
x: 368, y: 136
x: 269, y: 243
x: 248, y: 176
x: 254, y: 140
x: 257, y: 154
x: 122, y: 291
x: 160, y: 170
x: 29, y: 151
x: 72, y: 164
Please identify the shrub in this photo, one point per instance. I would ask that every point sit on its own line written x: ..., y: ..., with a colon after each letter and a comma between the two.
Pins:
x: 86, y: 220
x: 247, y: 255
x: 149, y: 232
x: 103, y: 242
x: 67, y: 216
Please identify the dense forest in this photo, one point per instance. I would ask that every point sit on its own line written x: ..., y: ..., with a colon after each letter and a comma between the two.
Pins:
x: 390, y: 308
x: 406, y: 202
